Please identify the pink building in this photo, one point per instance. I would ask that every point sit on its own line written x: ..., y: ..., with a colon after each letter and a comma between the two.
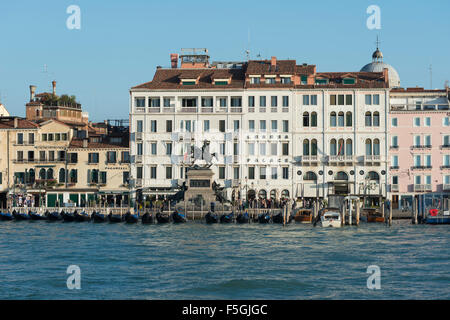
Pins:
x: 419, y: 146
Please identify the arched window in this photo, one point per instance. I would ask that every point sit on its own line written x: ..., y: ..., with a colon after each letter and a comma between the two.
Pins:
x: 262, y: 194
x: 368, y: 147
x: 305, y: 119
x: 62, y: 175
x: 368, y: 119
x: 376, y: 147
x: 348, y: 119
x: 50, y: 174
x: 313, y: 119
x: 306, y: 147
x: 376, y: 119
x: 372, y: 175
x: 333, y: 147
x: 340, y: 119
x: 73, y: 176
x: 310, y: 176
x: 42, y: 174
x: 341, y: 149
x: 341, y: 175
x: 314, y: 147
x: 31, y: 176
x: 333, y: 119
x: 273, y: 194
x: 349, y: 147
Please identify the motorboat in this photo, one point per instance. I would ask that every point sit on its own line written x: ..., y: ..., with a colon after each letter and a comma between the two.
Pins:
x: 331, y: 219
x: 303, y: 216
x: 435, y: 216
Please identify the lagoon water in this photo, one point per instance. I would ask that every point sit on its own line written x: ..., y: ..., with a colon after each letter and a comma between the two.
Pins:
x: 199, y: 261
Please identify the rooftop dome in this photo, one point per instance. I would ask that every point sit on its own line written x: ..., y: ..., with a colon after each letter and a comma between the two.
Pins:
x: 377, y: 65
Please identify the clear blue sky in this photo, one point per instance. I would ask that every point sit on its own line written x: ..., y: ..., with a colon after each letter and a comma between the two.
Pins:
x: 120, y: 43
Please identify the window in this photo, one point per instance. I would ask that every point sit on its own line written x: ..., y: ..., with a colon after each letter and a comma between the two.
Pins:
x: 333, y: 99
x: 304, y: 80
x: 251, y: 125
x: 305, y: 119
x: 251, y: 101
x: 153, y: 172
x: 428, y: 160
x: 235, y: 172
x: 376, y: 99
x: 139, y: 126
x: 222, y: 148
x: 44, y: 137
x: 270, y: 81
x: 417, y: 141
x: 427, y: 141
x: 154, y: 102
x: 50, y: 137
x: 306, y: 147
x: 262, y: 101
x: 446, y: 160
x: 446, y: 141
x: 376, y: 119
x: 139, y: 149
x: 236, y: 125
x: 168, y: 125
x: 207, y: 102
x: 394, y: 122
x: 221, y: 172
x: 251, y: 149
x: 333, y: 119
x: 251, y: 172
x: 139, y: 172
x: 285, y: 148
x: 236, y: 102
x: 348, y: 119
x: 111, y: 157
x: 223, y: 102
x: 262, y: 149
x: 446, y: 122
x: 273, y: 149
x: 206, y: 125
x: 394, y: 142
x: 255, y: 80
x: 376, y: 147
x: 125, y: 177
x: 368, y: 147
x: 306, y: 100
x: 169, y: 148
x: 285, y: 125
x: 314, y: 99
x: 340, y: 119
x: 395, y: 161
x: 274, y: 174
x: 222, y: 125
x: 274, y: 124
x: 427, y: 122
x: 235, y: 148
x: 103, y: 177
x: 153, y: 126
x: 348, y: 99
x: 139, y: 102
x: 285, y: 173
x: 313, y: 119
x: 262, y: 125
x: 166, y: 102
x: 286, y: 80
x: 168, y: 172
x: 417, y: 160
x: 153, y: 146
x: 368, y: 99
x: 368, y: 119
x: 416, y: 122
x: 285, y: 101
x: 341, y: 99
x: 262, y: 173
x: 274, y: 101
x: 31, y: 138
x: 20, y: 138
x: 125, y: 157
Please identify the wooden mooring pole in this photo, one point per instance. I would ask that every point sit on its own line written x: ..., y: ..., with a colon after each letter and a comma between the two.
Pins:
x: 357, y: 211
x: 390, y: 213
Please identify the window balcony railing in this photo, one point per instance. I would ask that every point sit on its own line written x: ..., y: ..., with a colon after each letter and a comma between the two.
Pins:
x: 139, y: 136
x: 189, y: 109
x: 394, y: 187
x: 371, y: 158
x: 285, y: 109
x: 251, y: 109
x: 154, y: 109
x: 394, y: 147
x: 274, y: 109
x: 446, y: 186
x: 445, y: 166
x: 422, y: 187
x: 207, y: 109
x: 394, y: 167
x: 236, y: 109
x: 262, y: 109
x: 445, y: 146
x: 427, y: 146
x: 139, y: 110
x: 139, y: 159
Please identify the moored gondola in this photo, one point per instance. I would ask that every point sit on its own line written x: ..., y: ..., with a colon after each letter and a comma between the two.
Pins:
x: 178, y: 217
x: 81, y: 216
x: 67, y: 216
x: 227, y: 218
x: 5, y: 216
x: 211, y: 217
x: 115, y: 217
x: 242, y: 218
x: 131, y: 217
x: 20, y: 215
x: 98, y: 217
x: 277, y: 218
x: 52, y: 216
x: 264, y: 217
x: 162, y: 217
x: 147, y: 218
x: 37, y: 216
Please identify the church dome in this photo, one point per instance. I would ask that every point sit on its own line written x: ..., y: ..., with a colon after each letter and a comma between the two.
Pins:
x: 377, y: 65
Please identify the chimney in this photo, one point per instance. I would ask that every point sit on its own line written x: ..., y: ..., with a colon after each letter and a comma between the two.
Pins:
x: 32, y: 92
x: 54, y: 87
x: 16, y: 122
x: 174, y: 60
x: 273, y: 62
x: 386, y: 76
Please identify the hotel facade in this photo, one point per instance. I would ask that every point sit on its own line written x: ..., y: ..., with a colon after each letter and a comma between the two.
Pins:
x: 278, y: 129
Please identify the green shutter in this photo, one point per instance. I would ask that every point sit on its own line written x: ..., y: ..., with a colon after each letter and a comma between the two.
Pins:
x: 74, y: 198
x: 51, y: 200
x: 61, y: 199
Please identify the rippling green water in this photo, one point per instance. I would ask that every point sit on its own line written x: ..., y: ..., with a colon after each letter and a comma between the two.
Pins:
x: 199, y: 261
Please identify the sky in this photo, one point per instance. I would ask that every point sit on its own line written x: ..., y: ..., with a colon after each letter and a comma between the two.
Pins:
x: 120, y: 43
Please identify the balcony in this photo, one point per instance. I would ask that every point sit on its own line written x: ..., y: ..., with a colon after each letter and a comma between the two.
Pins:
x: 394, y: 148
x: 285, y: 109
x: 154, y: 110
x: 138, y: 182
x: 189, y: 109
x: 421, y: 167
x: 263, y: 109
x: 423, y: 187
x: 310, y: 160
x: 394, y: 167
x: 341, y: 160
x: 445, y: 146
x: 274, y: 109
x: 417, y: 147
x: 373, y: 159
x: 139, y: 110
x: 170, y: 109
x: 139, y: 159
x: 251, y: 109
x: 236, y: 109
x: 447, y: 166
x: 446, y: 187
x: 394, y: 187
x: 207, y: 109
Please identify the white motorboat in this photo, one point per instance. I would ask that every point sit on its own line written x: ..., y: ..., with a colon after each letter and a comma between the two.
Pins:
x: 331, y: 219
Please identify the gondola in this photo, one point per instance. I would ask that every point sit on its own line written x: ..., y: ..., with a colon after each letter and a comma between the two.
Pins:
x: 52, y: 216
x: 178, y: 217
x: 115, y: 217
x: 81, y: 216
x: 67, y: 216
x: 242, y: 218
x: 264, y: 218
x: 131, y: 218
x: 20, y: 216
x: 147, y: 218
x: 4, y: 216
x: 227, y: 218
x: 162, y: 218
x: 37, y: 216
x: 98, y: 217
x: 277, y: 218
x: 211, y: 217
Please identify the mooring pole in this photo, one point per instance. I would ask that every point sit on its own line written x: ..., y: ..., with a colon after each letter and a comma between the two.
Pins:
x: 357, y: 212
x: 350, y: 203
x: 390, y: 213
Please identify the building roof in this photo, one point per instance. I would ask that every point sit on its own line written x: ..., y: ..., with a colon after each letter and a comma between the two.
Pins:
x: 77, y: 143
x: 8, y: 123
x: 265, y: 67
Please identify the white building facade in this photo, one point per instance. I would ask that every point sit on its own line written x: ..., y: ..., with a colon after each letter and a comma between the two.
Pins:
x: 278, y: 129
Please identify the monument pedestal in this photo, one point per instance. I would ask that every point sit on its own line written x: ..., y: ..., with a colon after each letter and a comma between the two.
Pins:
x: 199, y: 183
